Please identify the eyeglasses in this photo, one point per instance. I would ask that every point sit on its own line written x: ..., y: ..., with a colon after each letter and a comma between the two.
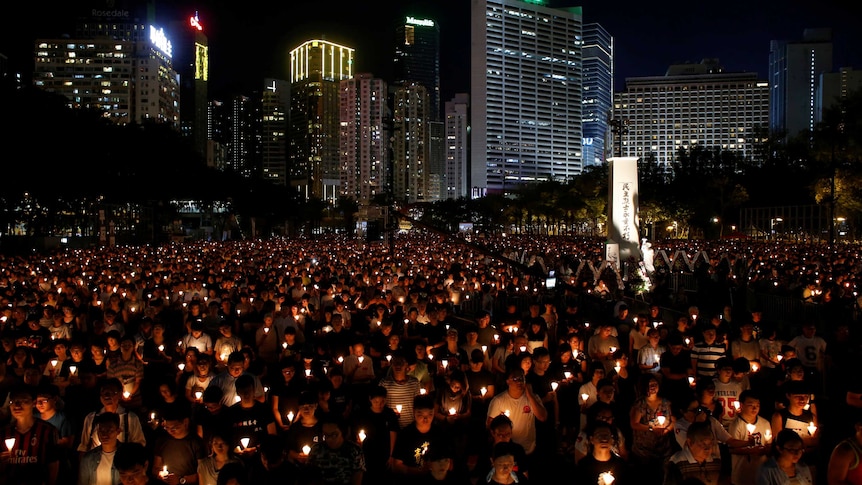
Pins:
x: 795, y: 451
x: 517, y: 379
x: 41, y: 401
x: 21, y: 402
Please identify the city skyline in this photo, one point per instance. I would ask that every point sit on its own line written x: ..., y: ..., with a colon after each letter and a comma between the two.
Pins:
x: 256, y: 40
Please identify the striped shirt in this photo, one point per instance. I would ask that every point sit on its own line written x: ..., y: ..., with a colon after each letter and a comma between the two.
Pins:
x: 703, y: 358
x: 401, y: 394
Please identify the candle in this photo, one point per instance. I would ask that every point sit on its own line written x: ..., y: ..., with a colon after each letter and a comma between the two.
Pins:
x: 687, y: 340
x: 126, y: 394
x: 779, y: 357
x: 398, y: 408
x: 754, y: 367
x: 164, y: 472
x: 290, y: 416
x: 54, y: 363
x: 567, y: 375
x: 554, y: 385
x: 362, y: 435
x: 452, y: 411
x: 284, y: 345
x: 444, y: 363
x: 506, y: 412
x: 181, y: 366
x: 691, y: 380
x: 618, y: 367
x: 606, y: 478
x: 361, y: 358
x: 307, y: 372
x: 199, y: 395
x: 244, y: 442
x: 483, y: 391
x: 388, y: 358
x: 340, y: 359
x: 10, y: 442
x: 161, y: 348
x: 750, y: 428
x: 811, y: 428
x: 73, y: 369
x: 237, y: 399
x: 613, y: 349
x: 152, y: 416
x: 265, y: 329
x: 484, y: 349
x: 306, y: 449
x: 661, y: 420
x: 768, y: 435
x: 736, y: 405
x: 584, y: 397
x: 523, y: 348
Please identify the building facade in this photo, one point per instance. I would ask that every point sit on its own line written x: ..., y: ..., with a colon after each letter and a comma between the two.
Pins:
x: 794, y: 72
x: 598, y: 93
x: 835, y: 88
x: 457, y: 119
x: 417, y: 58
x: 117, y: 62
x: 364, y: 138
x: 191, y: 61
x: 691, y: 105
x: 275, y: 104
x: 525, y: 96
x: 317, y: 68
x: 410, y: 146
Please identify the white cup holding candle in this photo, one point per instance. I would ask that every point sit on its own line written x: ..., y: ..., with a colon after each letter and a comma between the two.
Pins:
x: 244, y: 442
x: 398, y: 408
x: 584, y: 396
x: 362, y: 435
x: 306, y: 450
x: 10, y: 442
x: 554, y: 385
x: 660, y: 420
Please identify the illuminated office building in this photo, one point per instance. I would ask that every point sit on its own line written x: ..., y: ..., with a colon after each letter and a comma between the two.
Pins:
x: 191, y: 60
x: 598, y: 94
x: 794, y: 73
x: 417, y: 58
x: 525, y: 94
x: 317, y: 68
x: 691, y: 105
x: 275, y: 104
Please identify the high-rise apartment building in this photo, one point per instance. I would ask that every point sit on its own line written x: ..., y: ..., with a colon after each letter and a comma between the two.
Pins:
x: 691, y: 105
x: 191, y: 60
x: 243, y: 127
x: 794, y: 72
x: 598, y: 92
x: 410, y: 146
x: 457, y: 119
x: 275, y: 104
x: 417, y: 58
x: 317, y: 68
x: 117, y: 62
x: 364, y: 138
x: 525, y: 94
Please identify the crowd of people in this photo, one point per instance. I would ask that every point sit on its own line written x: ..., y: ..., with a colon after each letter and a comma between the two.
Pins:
x: 335, y: 361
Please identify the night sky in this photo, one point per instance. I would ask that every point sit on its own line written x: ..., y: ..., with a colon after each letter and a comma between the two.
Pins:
x: 250, y: 40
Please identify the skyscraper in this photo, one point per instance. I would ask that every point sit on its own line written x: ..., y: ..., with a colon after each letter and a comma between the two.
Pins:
x: 525, y: 94
x: 794, y: 72
x: 364, y: 138
x: 192, y: 63
x: 457, y: 162
x: 598, y: 94
x: 410, y: 151
x: 273, y: 140
x: 316, y: 69
x: 417, y: 58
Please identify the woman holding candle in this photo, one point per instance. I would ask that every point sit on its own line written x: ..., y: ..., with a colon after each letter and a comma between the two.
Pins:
x: 652, y: 421
x: 784, y: 467
x: 799, y: 417
x: 219, y: 456
x: 284, y: 395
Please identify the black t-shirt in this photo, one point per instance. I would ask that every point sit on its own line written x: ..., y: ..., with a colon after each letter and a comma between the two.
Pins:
x: 377, y: 427
x: 411, y: 445
x: 248, y: 422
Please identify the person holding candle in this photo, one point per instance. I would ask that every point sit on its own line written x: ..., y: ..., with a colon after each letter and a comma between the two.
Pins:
x: 249, y: 419
x: 227, y: 380
x: 697, y: 459
x: 179, y: 449
x: 601, y: 411
x: 284, y: 395
x: 602, y: 344
x: 414, y: 441
x: 226, y: 343
x: 727, y: 391
x: 601, y: 466
x: 220, y: 455
x: 336, y: 460
x: 801, y: 418
x: 652, y: 421
x: 756, y: 431
x: 208, y: 417
x: 129, y: 369
x: 130, y: 425
x: 784, y: 466
x: 304, y: 433
x: 200, y: 380
x: 31, y: 454
x: 376, y: 427
x: 401, y: 390
x: 453, y: 410
x: 523, y: 407
x: 132, y: 462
